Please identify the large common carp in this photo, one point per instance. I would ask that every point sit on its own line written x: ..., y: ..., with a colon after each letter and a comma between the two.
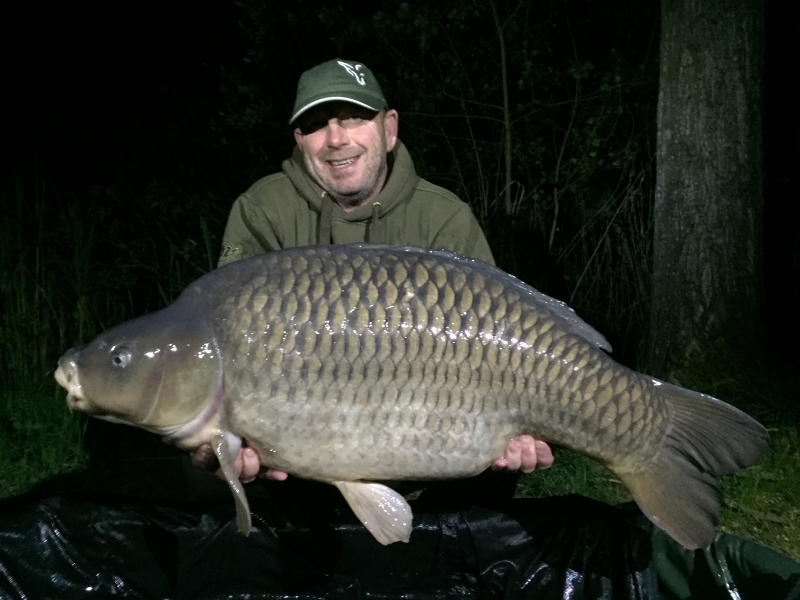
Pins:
x: 364, y: 363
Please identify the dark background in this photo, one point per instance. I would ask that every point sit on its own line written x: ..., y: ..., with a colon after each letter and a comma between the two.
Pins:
x: 98, y: 93
x: 103, y: 90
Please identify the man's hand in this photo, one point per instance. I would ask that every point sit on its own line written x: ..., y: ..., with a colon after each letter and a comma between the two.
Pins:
x: 246, y: 466
x: 525, y: 454
x: 522, y: 454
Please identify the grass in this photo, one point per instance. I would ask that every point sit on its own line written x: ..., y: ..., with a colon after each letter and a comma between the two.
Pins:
x: 63, y: 279
x: 40, y: 439
x: 573, y: 473
x: 763, y: 503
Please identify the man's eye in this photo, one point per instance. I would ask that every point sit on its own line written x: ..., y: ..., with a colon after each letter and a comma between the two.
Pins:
x: 350, y: 122
x: 312, y: 126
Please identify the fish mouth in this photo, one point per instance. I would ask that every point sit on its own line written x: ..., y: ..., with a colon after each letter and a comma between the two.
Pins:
x: 67, y: 377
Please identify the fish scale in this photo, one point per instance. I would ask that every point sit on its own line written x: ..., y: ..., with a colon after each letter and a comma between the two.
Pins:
x: 361, y: 363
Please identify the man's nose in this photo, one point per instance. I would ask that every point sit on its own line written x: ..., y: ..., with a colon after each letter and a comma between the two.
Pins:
x: 337, y: 135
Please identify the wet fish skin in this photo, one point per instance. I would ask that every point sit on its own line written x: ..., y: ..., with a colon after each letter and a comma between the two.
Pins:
x: 454, y: 354
x: 361, y: 363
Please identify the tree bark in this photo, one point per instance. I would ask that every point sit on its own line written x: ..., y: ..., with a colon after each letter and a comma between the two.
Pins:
x: 707, y: 261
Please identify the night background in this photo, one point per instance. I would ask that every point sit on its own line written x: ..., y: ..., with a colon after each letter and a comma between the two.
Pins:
x: 105, y: 102
x: 130, y: 128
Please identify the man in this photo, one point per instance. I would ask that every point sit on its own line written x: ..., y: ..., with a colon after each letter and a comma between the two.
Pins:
x: 350, y: 179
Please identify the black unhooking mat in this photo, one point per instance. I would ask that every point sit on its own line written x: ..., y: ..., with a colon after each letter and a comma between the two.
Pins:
x: 102, y: 546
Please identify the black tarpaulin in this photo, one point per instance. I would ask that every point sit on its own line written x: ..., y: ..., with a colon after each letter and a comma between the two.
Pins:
x: 105, y: 546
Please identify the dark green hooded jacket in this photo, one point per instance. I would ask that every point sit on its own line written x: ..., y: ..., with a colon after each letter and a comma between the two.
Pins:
x: 289, y: 209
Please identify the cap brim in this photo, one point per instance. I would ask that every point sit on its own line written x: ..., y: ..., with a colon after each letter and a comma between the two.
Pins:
x: 331, y: 99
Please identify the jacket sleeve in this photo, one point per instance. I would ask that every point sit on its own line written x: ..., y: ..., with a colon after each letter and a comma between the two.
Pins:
x: 247, y: 233
x: 462, y: 233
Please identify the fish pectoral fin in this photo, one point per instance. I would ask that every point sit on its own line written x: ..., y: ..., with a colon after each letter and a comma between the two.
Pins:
x: 384, y: 512
x: 225, y: 454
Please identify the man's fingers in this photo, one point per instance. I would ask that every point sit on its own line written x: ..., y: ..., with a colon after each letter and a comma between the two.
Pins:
x: 514, y: 455
x: 246, y: 465
x: 499, y: 464
x: 525, y: 454
x: 528, y: 455
x: 512, y: 459
x: 274, y: 474
x: 544, y: 454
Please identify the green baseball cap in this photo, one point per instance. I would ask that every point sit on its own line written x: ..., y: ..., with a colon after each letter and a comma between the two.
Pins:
x: 337, y: 79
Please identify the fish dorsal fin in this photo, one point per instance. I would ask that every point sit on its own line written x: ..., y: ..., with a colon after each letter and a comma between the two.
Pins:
x: 225, y: 454
x: 569, y: 319
x: 384, y: 512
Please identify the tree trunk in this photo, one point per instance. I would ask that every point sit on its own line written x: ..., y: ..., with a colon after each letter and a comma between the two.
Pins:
x: 707, y: 259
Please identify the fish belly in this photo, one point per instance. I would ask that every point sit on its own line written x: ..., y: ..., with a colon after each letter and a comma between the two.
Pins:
x: 374, y: 433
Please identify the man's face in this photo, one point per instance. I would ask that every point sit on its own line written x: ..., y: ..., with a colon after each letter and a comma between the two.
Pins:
x: 344, y: 148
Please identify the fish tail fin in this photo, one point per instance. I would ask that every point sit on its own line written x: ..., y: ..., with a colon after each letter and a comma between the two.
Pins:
x: 706, y: 438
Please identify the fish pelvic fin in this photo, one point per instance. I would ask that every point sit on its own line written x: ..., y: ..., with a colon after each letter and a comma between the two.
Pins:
x: 383, y: 511
x: 705, y: 439
x: 226, y: 450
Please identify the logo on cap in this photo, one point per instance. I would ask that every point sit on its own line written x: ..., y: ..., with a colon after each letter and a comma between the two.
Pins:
x: 353, y: 70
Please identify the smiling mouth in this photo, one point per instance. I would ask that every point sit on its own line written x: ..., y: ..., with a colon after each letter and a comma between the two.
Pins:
x: 342, y: 163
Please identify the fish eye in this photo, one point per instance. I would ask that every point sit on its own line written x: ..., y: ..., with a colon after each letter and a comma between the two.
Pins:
x: 121, y: 357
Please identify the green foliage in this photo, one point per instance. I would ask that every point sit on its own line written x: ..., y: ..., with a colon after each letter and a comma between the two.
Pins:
x: 763, y: 502
x: 71, y: 269
x: 68, y: 271
x: 41, y: 439
x: 573, y: 473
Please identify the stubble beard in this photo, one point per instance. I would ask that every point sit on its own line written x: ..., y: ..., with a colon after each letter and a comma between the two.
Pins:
x: 347, y: 194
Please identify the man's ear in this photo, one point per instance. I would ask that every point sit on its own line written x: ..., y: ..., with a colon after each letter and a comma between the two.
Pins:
x: 389, y: 129
x: 298, y: 137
